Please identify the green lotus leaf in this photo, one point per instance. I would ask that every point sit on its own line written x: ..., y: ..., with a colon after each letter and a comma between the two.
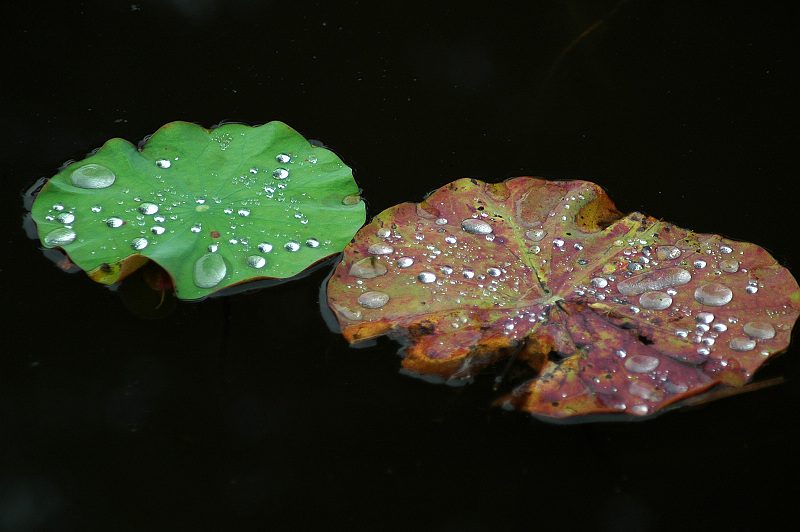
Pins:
x: 213, y: 207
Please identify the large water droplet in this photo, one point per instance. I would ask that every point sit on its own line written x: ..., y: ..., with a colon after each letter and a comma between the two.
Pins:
x: 380, y: 249
x: 427, y: 277
x: 536, y: 234
x: 494, y: 272
x: 163, y: 163
x: 599, y: 282
x: 404, y: 262
x: 148, y: 208
x: 729, y: 265
x: 265, y: 247
x: 367, y: 268
x: 280, y: 173
x: 667, y: 252
x: 256, y: 261
x: 312, y: 243
x: 115, y: 222
x: 93, y: 176
x: 742, y: 344
x: 655, y: 300
x: 65, y: 218
x: 476, y: 227
x: 283, y: 158
x: 157, y: 230
x: 373, y: 299
x: 704, y: 317
x: 759, y: 329
x: 60, y: 237
x: 641, y: 363
x: 292, y: 246
x: 139, y: 243
x: 383, y: 232
x: 654, y: 280
x: 209, y: 270
x: 243, y: 212
x: 713, y: 294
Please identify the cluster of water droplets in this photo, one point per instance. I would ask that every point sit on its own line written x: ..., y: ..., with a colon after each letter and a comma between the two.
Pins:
x: 162, y: 210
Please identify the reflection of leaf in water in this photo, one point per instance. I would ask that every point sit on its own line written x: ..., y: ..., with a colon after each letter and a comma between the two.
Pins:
x: 616, y: 314
x: 214, y: 208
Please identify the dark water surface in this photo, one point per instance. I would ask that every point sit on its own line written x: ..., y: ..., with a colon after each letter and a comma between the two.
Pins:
x: 247, y: 412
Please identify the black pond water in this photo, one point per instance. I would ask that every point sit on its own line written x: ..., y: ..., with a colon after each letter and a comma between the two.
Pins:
x: 247, y: 412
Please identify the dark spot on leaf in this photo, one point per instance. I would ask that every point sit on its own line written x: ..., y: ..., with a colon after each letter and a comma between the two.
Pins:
x: 645, y: 340
x: 215, y: 234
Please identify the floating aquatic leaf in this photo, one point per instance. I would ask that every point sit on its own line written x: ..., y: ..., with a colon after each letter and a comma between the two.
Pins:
x: 616, y: 314
x: 214, y: 207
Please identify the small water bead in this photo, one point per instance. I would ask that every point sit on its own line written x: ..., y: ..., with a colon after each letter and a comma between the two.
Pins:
x: 641, y: 363
x: 200, y: 201
x: 742, y: 344
x: 196, y: 228
x: 683, y: 333
x: 292, y: 246
x: 655, y: 300
x: 264, y: 247
x: 243, y: 212
x: 726, y: 249
x: 447, y: 270
x: 469, y: 274
x: 383, y: 232
x: 213, y: 248
x: 654, y: 280
x: 256, y: 261
x: 380, y: 249
x: 65, y: 218
x: 373, y: 299
x: 494, y: 272
x: 699, y: 263
x: 579, y: 247
x: 441, y: 221
x: 713, y: 294
x: 312, y: 159
x: 404, y: 262
x: 599, y: 282
x: 751, y: 289
x: 426, y: 277
x: 703, y: 328
x: 283, y: 158
x: 163, y: 163
x: 667, y: 252
x: 312, y: 243
x: 58, y: 207
x: 719, y: 327
x: 476, y: 227
x: 450, y: 239
x: 759, y: 329
x: 634, y: 267
x: 490, y: 237
x: 280, y: 173
x: 93, y: 176
x: 139, y: 243
x: 558, y: 242
x: 703, y: 351
x: 148, y: 208
x: 157, y: 230
x: 96, y: 208
x: 115, y: 222
x: 209, y: 270
x: 60, y: 237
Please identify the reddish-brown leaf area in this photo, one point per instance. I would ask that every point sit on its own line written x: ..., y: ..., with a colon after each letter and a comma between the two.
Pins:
x: 616, y: 314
